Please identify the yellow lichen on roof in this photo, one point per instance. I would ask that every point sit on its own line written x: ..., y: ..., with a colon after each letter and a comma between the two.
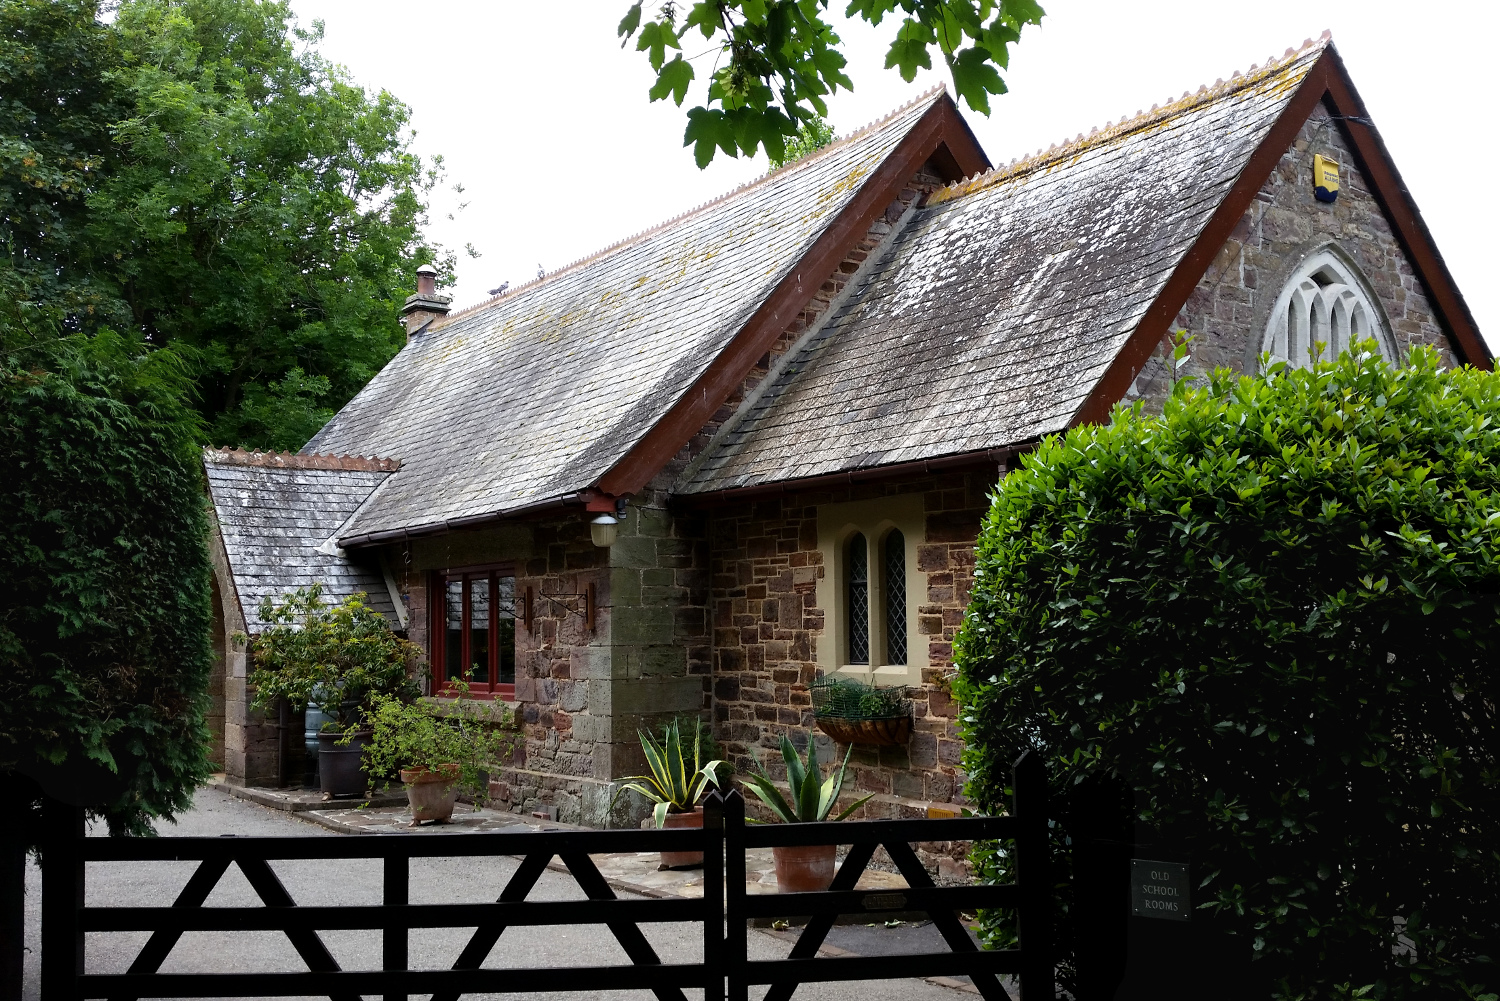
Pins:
x: 1267, y: 79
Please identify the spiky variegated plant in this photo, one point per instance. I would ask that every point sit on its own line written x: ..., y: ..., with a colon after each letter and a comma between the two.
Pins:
x: 671, y: 786
x: 813, y: 797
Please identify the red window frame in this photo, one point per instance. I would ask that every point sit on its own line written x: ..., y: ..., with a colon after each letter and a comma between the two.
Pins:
x: 439, y: 642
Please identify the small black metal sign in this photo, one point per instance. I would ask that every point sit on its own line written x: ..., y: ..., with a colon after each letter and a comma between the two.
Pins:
x: 1159, y: 890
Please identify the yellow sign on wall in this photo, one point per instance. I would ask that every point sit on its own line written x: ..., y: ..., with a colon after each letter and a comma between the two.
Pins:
x: 1325, y: 178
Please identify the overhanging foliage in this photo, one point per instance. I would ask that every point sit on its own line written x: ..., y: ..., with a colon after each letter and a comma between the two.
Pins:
x: 104, y: 577
x: 1273, y: 613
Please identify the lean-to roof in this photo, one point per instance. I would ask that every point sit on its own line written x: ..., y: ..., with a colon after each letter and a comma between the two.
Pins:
x: 999, y: 308
x: 276, y: 514
x: 533, y: 396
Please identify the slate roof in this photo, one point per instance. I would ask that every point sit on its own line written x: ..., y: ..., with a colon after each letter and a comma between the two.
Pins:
x: 1001, y: 304
x: 533, y: 396
x: 276, y: 514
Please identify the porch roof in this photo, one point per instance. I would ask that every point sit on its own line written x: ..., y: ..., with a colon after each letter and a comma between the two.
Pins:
x: 277, y: 513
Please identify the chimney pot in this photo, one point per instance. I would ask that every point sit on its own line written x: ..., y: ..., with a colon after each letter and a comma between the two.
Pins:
x: 427, y: 280
x: 426, y: 305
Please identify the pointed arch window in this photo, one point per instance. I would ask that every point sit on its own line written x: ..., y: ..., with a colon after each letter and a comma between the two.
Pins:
x: 895, y: 596
x: 1325, y: 306
x: 859, y: 600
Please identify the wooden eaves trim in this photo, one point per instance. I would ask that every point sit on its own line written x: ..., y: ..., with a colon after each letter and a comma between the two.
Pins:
x: 941, y: 136
x: 1327, y: 82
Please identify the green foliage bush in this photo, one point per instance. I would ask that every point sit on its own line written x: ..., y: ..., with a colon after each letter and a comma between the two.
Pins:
x: 1273, y: 614
x: 475, y: 736
x: 339, y: 658
x: 104, y: 576
x: 849, y: 698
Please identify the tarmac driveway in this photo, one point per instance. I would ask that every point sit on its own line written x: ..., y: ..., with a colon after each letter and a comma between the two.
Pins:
x: 433, y: 881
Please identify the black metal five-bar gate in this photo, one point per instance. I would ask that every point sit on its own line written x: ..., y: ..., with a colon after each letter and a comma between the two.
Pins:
x: 726, y: 966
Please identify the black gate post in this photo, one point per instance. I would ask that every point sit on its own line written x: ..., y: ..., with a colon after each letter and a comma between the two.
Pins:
x: 12, y: 911
x: 1035, y: 877
x: 736, y: 944
x: 62, y: 897
x: 394, y: 941
x: 713, y: 897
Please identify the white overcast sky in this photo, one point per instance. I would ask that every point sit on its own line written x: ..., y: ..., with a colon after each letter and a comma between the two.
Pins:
x: 546, y: 123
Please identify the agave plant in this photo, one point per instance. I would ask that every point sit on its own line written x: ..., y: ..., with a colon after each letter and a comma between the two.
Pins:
x: 813, y: 797
x: 671, y: 785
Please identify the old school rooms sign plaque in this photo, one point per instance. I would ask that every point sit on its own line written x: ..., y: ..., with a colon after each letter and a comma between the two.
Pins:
x: 1159, y: 890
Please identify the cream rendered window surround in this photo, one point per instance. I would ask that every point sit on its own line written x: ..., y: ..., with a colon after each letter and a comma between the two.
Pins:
x: 874, y: 520
x: 1327, y: 301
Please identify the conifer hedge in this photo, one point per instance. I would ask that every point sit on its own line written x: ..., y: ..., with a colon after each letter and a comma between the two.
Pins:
x: 1272, y: 616
x: 104, y: 577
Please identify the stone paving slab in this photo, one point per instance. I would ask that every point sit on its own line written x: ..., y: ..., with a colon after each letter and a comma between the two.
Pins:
x: 299, y: 800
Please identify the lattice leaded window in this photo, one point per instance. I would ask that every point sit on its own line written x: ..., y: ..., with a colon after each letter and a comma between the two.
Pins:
x: 895, y: 597
x: 859, y: 601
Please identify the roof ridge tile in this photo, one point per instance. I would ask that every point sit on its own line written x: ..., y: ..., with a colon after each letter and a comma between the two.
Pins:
x: 1189, y: 101
x: 296, y: 460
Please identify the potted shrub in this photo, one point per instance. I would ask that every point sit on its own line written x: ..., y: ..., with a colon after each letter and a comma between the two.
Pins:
x: 803, y: 868
x: 852, y: 712
x: 440, y: 750
x: 676, y: 784
x: 337, y: 658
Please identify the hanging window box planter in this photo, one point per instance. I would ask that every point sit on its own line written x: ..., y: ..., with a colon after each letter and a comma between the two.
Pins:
x: 852, y: 712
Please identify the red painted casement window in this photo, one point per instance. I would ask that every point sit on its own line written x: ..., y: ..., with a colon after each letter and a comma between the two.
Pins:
x: 474, y: 634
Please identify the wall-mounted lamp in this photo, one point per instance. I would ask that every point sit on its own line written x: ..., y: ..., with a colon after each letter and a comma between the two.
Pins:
x: 606, y: 528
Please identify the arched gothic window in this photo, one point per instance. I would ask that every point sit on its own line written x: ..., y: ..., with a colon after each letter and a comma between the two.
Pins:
x: 895, y: 597
x: 859, y: 600
x: 1326, y: 302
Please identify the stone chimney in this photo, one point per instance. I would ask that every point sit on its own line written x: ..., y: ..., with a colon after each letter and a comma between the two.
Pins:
x: 426, y: 305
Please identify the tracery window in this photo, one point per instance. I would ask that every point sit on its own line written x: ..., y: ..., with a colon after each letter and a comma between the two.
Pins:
x: 1324, y: 307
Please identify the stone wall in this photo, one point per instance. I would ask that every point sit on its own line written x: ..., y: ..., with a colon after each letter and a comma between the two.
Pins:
x: 766, y: 624
x: 1228, y: 312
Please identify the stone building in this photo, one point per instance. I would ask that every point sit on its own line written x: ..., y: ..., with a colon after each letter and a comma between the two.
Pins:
x: 795, y: 400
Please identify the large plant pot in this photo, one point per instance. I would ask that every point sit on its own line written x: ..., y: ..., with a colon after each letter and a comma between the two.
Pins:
x: 431, y: 792
x: 889, y: 731
x: 683, y: 860
x: 339, y: 771
x: 803, y: 868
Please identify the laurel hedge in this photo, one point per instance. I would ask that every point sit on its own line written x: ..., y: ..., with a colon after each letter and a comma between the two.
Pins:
x: 1271, y: 616
x: 104, y: 578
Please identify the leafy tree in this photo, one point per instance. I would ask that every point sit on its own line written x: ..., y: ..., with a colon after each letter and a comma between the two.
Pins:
x: 811, y: 136
x: 195, y: 173
x: 776, y: 60
x: 104, y: 577
x: 1271, y: 614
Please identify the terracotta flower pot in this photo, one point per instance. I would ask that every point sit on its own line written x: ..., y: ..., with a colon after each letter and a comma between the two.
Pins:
x: 803, y: 868
x: 431, y: 792
x: 683, y: 860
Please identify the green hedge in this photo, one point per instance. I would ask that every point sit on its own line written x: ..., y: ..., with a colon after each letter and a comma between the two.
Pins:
x: 1273, y: 615
x: 104, y: 578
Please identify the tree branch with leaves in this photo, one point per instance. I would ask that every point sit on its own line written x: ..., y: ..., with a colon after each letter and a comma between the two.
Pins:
x: 775, y: 61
